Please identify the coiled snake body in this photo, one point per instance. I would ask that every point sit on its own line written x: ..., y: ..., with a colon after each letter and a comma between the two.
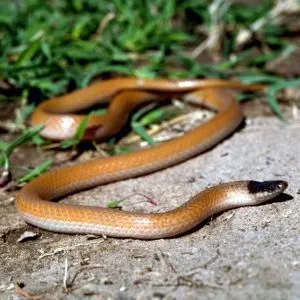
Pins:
x: 124, y: 94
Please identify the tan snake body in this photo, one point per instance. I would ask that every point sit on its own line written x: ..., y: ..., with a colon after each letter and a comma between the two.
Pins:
x: 33, y: 201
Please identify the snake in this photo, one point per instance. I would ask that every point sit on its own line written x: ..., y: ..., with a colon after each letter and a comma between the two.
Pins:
x: 38, y: 201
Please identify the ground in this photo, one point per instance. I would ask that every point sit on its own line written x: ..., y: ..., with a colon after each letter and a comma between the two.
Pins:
x: 246, y: 253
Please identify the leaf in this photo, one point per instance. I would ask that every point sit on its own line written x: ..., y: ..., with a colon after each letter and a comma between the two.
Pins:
x: 38, y: 170
x: 79, y: 134
x: 142, y: 132
x: 118, y: 150
x: 159, y: 115
x: 26, y: 136
x: 39, y: 141
x: 28, y: 53
x: 25, y: 112
x: 3, y: 145
x: 139, y: 128
x: 154, y: 116
x: 113, y: 204
x: 274, y: 89
x: 257, y: 78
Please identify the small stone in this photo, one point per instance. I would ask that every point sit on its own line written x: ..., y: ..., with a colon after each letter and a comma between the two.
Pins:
x: 27, y: 236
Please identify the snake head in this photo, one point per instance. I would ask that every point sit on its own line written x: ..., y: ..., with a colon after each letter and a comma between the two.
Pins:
x: 266, y: 190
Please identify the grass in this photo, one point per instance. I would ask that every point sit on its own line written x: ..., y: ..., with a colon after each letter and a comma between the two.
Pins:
x: 51, y: 47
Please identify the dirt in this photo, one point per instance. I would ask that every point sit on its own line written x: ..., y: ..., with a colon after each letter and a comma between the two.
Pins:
x: 246, y: 253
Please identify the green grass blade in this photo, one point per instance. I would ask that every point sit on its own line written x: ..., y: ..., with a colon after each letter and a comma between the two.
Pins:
x: 21, y: 139
x: 274, y: 89
x: 142, y: 132
x: 37, y: 171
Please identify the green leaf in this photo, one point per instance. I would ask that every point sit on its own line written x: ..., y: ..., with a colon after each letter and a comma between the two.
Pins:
x: 39, y: 141
x: 159, y: 115
x: 6, y: 162
x: 139, y: 128
x: 153, y: 117
x: 118, y: 150
x: 26, y: 136
x: 37, y: 171
x: 28, y: 53
x: 82, y: 127
x: 80, y: 26
x: 79, y: 134
x: 274, y: 89
x: 113, y: 204
x: 258, y: 78
x: 25, y: 112
x: 3, y: 145
x: 142, y: 132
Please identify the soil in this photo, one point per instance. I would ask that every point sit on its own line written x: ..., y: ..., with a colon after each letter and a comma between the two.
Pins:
x: 246, y: 253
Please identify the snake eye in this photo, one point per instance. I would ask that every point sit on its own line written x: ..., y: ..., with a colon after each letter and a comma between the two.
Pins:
x: 271, y: 187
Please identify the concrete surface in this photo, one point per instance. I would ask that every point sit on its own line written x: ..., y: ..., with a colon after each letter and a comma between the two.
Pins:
x: 246, y: 253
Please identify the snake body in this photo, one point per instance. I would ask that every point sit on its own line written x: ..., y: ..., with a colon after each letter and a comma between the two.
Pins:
x: 124, y: 94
